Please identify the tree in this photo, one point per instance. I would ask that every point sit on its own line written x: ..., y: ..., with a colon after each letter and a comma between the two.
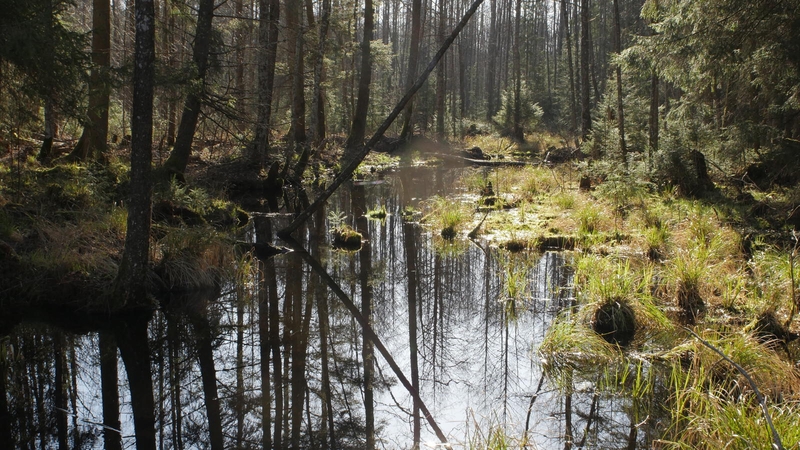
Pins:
x: 318, y: 126
x: 295, y: 59
x: 586, y: 109
x: 620, y: 111
x: 359, y: 125
x: 517, y: 131
x: 268, y: 17
x: 95, y: 131
x: 130, y: 286
x: 441, y: 73
x: 491, y: 96
x: 179, y: 158
x: 413, y: 62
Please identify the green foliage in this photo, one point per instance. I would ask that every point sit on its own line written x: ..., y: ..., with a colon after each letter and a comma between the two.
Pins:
x: 737, y: 68
x: 45, y: 52
x: 530, y: 112
x: 589, y: 218
x: 378, y: 213
x: 446, y: 215
x: 193, y: 198
x: 714, y: 407
x: 345, y: 237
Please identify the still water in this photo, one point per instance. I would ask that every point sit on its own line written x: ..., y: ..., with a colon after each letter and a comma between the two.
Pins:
x: 277, y: 360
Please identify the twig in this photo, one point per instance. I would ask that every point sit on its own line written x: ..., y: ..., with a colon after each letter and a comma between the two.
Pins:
x: 776, y: 438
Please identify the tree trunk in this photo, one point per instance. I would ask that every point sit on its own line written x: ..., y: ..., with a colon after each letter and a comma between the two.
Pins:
x: 441, y: 74
x: 109, y: 379
x: 268, y: 21
x: 134, y: 346
x: 59, y: 386
x: 328, y: 430
x: 179, y: 158
x: 275, y: 345
x: 409, y: 241
x: 50, y: 130
x: 318, y: 126
x: 129, y: 287
x: 491, y: 70
x: 586, y: 113
x: 92, y: 143
x: 208, y: 372
x: 294, y: 26
x: 294, y: 334
x: 367, y: 348
x: 620, y: 111
x: 653, y: 122
x: 6, y: 419
x: 413, y: 62
x: 517, y: 132
x: 359, y: 125
x: 572, y: 103
x: 50, y: 125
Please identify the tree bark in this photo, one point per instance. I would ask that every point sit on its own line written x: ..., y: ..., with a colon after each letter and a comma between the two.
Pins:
x: 6, y: 419
x: 179, y: 158
x: 59, y: 386
x: 92, y: 142
x: 653, y: 122
x: 413, y: 62
x: 572, y: 103
x: 134, y: 347
x: 517, y: 132
x: 109, y: 379
x: 294, y: 25
x: 441, y: 74
x: 208, y: 372
x: 410, y: 248
x: 620, y: 110
x: 491, y: 72
x: 130, y: 286
x: 358, y: 200
x: 359, y: 124
x: 586, y: 113
x: 268, y: 21
x: 318, y: 125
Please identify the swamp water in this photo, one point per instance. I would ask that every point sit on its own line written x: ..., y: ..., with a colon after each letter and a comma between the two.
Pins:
x: 440, y: 310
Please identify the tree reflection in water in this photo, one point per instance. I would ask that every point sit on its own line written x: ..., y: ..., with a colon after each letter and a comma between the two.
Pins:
x: 280, y: 360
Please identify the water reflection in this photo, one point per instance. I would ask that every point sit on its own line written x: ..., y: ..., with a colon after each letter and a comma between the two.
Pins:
x: 287, y: 358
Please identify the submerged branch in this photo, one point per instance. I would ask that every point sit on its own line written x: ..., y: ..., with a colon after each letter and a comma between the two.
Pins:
x: 359, y: 156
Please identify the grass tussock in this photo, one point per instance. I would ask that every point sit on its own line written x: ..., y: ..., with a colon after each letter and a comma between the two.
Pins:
x: 646, y: 262
x: 445, y: 215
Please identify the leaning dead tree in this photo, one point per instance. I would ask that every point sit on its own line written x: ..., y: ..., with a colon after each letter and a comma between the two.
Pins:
x: 359, y: 156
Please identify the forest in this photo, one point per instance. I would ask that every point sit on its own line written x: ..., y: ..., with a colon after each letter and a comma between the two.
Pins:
x: 399, y: 223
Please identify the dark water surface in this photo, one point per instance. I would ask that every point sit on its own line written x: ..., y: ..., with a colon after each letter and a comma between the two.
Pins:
x: 278, y: 360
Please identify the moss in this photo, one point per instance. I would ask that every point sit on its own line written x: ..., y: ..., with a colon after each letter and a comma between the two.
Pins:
x: 378, y: 214
x: 346, y: 238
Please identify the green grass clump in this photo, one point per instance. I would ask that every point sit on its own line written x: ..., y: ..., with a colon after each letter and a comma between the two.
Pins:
x: 589, y: 218
x: 377, y: 213
x: 713, y: 405
x: 446, y: 215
